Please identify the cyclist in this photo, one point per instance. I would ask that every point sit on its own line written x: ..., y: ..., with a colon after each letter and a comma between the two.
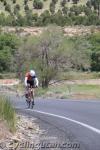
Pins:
x: 31, y: 81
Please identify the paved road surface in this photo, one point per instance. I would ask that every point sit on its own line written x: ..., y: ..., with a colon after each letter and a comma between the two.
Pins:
x: 67, y: 120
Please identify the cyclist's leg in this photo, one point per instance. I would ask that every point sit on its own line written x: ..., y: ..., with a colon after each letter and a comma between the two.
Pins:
x: 27, y: 95
x: 32, y: 92
x: 32, y: 97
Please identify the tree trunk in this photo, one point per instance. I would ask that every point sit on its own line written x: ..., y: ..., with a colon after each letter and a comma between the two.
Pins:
x: 45, y: 83
x: 99, y: 11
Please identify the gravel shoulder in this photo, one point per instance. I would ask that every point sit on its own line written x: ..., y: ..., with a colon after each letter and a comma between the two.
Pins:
x: 27, y: 131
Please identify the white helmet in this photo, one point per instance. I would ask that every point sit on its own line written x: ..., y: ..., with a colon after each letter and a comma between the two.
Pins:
x: 32, y: 73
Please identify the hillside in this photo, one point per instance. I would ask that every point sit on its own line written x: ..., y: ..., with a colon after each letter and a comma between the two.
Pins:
x: 22, y: 3
x: 44, y: 12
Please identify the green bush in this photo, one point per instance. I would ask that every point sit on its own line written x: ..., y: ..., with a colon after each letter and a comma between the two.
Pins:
x: 38, y: 4
x: 5, y: 3
x: 26, y: 7
x: 8, y: 8
x: 25, y: 2
x: 17, y: 6
x: 14, y: 1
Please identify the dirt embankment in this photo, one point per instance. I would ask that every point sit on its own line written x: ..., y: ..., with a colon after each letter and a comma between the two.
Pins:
x: 9, y: 82
x: 68, y: 31
x: 27, y: 131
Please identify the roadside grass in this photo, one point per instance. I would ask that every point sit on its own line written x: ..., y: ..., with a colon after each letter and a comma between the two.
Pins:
x: 68, y: 91
x: 91, y: 90
x: 72, y: 75
x: 64, y: 89
x: 40, y: 92
x: 19, y: 87
x: 7, y: 113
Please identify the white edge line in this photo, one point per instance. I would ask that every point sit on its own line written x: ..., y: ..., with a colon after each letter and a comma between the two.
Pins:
x: 69, y: 119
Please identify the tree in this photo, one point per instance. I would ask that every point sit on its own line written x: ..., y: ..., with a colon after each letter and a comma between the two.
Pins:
x: 63, y: 3
x: 5, y: 59
x: 88, y: 4
x: 14, y: 1
x: 26, y: 8
x: 51, y: 54
x: 16, y: 9
x: 95, y: 58
x: 87, y: 11
x: 5, y: 3
x: 8, y: 45
x: 10, y: 20
x: 17, y: 6
x: 38, y: 4
x: 46, y: 55
x: 59, y: 19
x: 8, y: 8
x: 25, y: 2
x: 76, y: 10
x: 52, y: 8
x: 20, y: 20
x: 2, y: 19
x: 92, y: 19
x: 35, y: 17
x: 75, y: 1
x: 65, y: 10
x: 96, y: 5
x: 95, y: 64
x: 1, y: 0
x: 77, y: 53
x: 54, y: 1
x: 45, y: 17
x: 29, y: 17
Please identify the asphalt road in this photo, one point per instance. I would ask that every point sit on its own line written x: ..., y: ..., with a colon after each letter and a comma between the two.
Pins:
x: 67, y: 121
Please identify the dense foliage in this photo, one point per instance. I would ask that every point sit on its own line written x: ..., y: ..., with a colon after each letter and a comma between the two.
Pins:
x: 95, y: 58
x: 49, y: 54
x: 52, y: 54
x: 8, y: 46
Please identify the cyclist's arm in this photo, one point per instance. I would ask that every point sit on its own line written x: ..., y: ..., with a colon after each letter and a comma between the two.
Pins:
x: 37, y: 82
x: 25, y: 81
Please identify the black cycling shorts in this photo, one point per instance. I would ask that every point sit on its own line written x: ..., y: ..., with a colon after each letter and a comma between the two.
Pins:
x: 31, y: 83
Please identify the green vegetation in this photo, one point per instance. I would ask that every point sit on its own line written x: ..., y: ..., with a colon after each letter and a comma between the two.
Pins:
x: 8, y: 46
x: 62, y: 13
x: 78, y: 75
x: 7, y: 113
x: 8, y: 75
x: 95, y: 41
x: 38, y: 4
x: 51, y: 54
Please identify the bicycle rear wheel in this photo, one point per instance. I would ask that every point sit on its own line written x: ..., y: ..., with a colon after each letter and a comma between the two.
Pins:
x: 28, y: 101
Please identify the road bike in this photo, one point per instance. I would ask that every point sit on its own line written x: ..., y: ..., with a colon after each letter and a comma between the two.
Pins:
x: 30, y: 97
